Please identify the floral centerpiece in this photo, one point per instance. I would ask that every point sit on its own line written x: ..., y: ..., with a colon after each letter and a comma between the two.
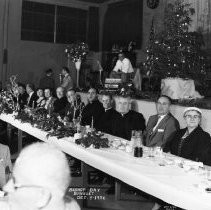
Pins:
x: 77, y: 52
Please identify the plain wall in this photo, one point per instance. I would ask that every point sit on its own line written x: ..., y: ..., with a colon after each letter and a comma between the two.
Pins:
x: 29, y: 59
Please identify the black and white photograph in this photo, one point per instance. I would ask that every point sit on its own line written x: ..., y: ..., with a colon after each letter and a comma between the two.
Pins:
x: 105, y: 104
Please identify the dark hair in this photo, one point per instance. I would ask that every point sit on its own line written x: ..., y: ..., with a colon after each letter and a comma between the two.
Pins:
x: 47, y: 88
x: 39, y: 89
x: 165, y: 96
x: 31, y: 86
x: 106, y: 93
x: 66, y: 69
x: 21, y: 85
x: 71, y: 89
x: 92, y: 87
x: 49, y: 71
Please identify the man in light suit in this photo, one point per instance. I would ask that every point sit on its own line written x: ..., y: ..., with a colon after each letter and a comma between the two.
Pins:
x: 162, y: 126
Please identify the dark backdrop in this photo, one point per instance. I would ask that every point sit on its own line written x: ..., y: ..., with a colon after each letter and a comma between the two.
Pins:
x: 123, y: 23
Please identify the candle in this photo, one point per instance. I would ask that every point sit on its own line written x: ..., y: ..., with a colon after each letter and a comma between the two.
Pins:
x: 92, y: 122
x: 74, y: 113
x: 33, y: 104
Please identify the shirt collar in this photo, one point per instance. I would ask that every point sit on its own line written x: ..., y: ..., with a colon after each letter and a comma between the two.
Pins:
x: 30, y: 94
x: 108, y: 109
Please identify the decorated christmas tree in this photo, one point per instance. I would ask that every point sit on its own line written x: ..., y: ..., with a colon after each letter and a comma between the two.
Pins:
x: 176, y: 52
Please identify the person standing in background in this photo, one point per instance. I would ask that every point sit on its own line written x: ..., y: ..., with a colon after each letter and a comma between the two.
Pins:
x: 47, y: 81
x: 67, y: 82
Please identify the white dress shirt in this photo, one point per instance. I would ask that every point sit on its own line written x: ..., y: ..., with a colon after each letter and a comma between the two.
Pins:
x: 160, y: 117
x: 124, y: 66
x: 30, y: 95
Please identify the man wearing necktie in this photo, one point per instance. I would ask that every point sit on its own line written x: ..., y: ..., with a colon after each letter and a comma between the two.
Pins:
x: 162, y: 126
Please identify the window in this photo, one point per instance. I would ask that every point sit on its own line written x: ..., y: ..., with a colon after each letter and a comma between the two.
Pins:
x: 37, y: 22
x: 51, y: 23
x: 71, y: 25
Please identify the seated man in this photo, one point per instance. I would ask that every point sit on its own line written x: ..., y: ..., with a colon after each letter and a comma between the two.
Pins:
x: 74, y: 106
x: 40, y: 180
x: 22, y: 97
x: 32, y: 98
x: 49, y: 100
x: 126, y: 120
x: 162, y: 126
x: 108, y: 115
x: 93, y: 110
x: 61, y: 101
x: 123, y: 68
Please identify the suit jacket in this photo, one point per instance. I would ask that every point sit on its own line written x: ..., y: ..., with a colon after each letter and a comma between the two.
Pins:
x: 49, y: 104
x: 59, y: 105
x: 122, y: 125
x: 33, y: 98
x: 22, y: 99
x: 95, y: 110
x: 196, y: 147
x: 105, y: 124
x: 163, y: 133
x: 5, y: 163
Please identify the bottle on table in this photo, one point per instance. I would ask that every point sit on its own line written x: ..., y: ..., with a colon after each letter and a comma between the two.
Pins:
x: 139, y: 139
x: 133, y: 138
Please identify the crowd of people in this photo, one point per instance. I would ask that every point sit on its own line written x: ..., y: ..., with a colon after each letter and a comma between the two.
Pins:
x: 162, y: 129
x: 118, y: 119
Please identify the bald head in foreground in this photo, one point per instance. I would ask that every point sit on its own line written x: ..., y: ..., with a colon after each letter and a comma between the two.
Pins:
x: 41, y: 176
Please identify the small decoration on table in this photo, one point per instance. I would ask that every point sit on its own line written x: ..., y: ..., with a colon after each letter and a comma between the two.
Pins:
x: 94, y: 140
x: 9, y: 97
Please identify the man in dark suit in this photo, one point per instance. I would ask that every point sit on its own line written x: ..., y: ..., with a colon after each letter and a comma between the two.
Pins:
x: 162, y: 126
x: 61, y: 101
x: 32, y: 99
x: 92, y: 112
x: 108, y: 115
x: 126, y: 120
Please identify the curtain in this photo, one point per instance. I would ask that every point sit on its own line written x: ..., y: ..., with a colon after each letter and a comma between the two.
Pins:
x: 123, y: 24
x: 202, y: 19
x: 93, y: 31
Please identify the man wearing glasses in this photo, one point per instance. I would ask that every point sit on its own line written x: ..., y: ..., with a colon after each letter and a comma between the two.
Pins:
x: 162, y: 126
x: 41, y: 177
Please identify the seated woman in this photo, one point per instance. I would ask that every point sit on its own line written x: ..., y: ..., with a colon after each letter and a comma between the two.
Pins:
x: 74, y: 107
x: 192, y: 142
x: 41, y: 98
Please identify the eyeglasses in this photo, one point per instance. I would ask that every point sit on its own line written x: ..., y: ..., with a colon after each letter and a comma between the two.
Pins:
x: 195, y: 117
x: 17, y: 186
x: 163, y: 104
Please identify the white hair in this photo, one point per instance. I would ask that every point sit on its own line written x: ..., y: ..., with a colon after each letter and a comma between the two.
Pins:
x: 44, y: 165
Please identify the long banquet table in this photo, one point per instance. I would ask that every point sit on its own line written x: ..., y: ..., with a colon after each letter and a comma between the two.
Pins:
x: 169, y: 183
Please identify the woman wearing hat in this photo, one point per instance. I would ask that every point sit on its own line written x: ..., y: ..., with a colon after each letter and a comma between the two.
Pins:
x: 192, y: 142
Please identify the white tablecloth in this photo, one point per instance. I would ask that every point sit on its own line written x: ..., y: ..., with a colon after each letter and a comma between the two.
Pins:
x: 169, y: 183
x: 178, y: 88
